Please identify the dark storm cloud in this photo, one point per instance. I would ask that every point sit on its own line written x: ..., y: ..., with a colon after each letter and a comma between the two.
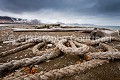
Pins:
x: 86, y: 7
x: 108, y: 7
x: 32, y: 5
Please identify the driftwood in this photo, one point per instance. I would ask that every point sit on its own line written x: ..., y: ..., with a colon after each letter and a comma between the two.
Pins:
x: 53, y: 30
x: 12, y: 51
x: 66, y: 71
x: 46, y: 26
x: 82, y: 48
x: 28, y: 61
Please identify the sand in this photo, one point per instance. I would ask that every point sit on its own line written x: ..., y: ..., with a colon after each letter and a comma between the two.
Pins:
x: 109, y: 71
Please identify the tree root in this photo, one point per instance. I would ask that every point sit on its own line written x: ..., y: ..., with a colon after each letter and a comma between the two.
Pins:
x: 28, y: 61
x: 66, y: 71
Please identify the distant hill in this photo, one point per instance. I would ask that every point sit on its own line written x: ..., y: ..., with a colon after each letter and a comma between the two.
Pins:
x: 7, y: 19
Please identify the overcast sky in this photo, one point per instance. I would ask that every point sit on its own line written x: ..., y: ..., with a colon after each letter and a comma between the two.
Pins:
x: 101, y: 12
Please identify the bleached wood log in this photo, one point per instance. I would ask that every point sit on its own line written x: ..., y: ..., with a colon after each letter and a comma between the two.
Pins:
x: 52, y: 29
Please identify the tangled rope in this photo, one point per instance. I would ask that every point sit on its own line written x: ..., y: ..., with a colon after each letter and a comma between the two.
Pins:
x: 38, y: 52
x: 110, y: 54
x: 76, y: 48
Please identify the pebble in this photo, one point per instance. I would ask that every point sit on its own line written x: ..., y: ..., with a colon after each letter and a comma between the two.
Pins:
x: 36, y: 66
x: 0, y: 46
x: 49, y: 45
x: 20, y: 56
x: 16, y: 57
x: 25, y: 54
x: 48, y: 60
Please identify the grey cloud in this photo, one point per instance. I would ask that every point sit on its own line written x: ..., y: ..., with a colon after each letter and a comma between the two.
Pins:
x: 34, y: 5
x: 81, y: 7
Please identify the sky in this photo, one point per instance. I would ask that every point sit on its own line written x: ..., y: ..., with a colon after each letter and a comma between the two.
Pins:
x: 100, y: 12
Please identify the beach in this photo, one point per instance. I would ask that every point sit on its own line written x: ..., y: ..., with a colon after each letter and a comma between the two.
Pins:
x: 98, y: 73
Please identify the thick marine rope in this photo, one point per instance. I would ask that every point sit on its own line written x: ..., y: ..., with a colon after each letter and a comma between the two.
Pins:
x: 104, y: 55
x: 79, y: 39
x: 81, y: 49
x: 28, y: 61
x: 12, y: 51
x: 38, y: 52
x: 97, y: 41
x: 43, y: 38
x: 107, y: 47
x: 66, y: 71
x: 38, y: 40
x: 104, y: 39
x: 110, y: 54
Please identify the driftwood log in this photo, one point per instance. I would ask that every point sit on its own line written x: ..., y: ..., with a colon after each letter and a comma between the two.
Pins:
x: 66, y: 71
x: 28, y: 61
x: 20, y: 48
x: 53, y: 30
x: 76, y: 48
x: 46, y: 26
